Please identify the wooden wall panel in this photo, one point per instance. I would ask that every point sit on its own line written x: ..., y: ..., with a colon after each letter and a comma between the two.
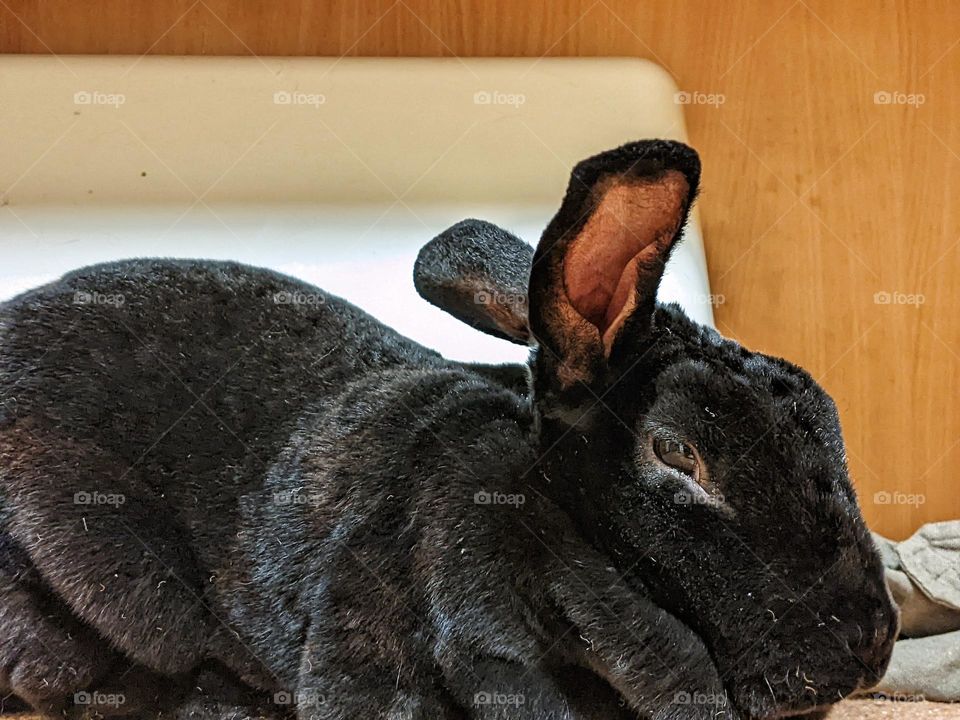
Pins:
x: 819, y: 203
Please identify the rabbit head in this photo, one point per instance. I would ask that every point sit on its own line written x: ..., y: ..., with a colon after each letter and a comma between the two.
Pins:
x: 714, y: 477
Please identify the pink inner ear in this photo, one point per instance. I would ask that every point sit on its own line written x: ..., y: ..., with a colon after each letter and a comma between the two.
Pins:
x: 631, y: 225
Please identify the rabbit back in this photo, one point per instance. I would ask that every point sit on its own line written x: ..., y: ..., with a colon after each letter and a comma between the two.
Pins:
x: 208, y: 365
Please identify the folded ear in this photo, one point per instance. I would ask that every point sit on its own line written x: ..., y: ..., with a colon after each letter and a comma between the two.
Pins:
x: 478, y: 273
x: 596, y: 270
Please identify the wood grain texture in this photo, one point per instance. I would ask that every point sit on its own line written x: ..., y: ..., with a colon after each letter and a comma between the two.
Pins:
x: 818, y: 203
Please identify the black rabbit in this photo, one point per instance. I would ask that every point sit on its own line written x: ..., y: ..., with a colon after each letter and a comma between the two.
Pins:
x: 224, y: 493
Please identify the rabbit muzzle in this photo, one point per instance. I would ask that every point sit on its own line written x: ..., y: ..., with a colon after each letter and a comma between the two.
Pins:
x: 837, y: 659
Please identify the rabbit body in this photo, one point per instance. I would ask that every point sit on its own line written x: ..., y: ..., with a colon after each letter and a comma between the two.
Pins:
x: 225, y: 493
x: 226, y: 464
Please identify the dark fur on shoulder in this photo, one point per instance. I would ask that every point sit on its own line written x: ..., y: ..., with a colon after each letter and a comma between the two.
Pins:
x: 223, y: 483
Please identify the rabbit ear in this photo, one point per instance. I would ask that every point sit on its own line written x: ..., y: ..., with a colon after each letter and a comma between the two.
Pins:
x: 478, y: 273
x: 596, y: 270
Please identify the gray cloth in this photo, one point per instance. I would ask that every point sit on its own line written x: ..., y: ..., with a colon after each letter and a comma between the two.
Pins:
x: 923, y: 574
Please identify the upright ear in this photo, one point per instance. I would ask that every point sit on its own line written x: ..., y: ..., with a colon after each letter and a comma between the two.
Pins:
x: 478, y: 273
x: 595, y: 273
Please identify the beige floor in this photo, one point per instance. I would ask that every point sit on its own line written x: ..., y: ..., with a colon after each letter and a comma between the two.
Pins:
x: 880, y: 710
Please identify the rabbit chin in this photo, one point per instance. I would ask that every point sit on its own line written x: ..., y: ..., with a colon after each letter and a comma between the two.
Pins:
x: 764, y: 695
x: 802, y: 672
x: 755, y: 703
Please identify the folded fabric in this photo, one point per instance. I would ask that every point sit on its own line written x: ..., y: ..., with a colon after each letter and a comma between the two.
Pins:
x: 924, y: 669
x: 923, y: 574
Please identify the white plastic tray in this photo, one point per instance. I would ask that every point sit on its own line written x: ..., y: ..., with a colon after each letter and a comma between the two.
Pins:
x: 335, y: 171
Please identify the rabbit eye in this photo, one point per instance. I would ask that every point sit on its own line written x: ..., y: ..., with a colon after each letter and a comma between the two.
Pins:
x: 677, y: 455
